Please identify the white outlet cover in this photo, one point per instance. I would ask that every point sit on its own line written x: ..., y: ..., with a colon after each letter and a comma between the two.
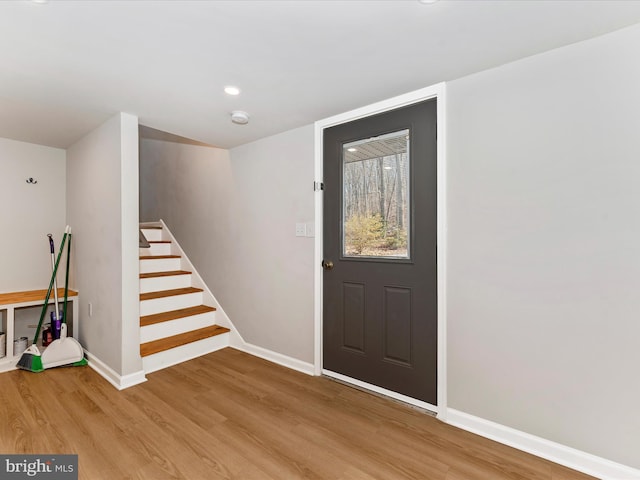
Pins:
x: 301, y: 230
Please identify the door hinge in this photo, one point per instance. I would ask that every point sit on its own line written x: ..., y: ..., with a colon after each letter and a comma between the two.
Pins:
x: 318, y: 186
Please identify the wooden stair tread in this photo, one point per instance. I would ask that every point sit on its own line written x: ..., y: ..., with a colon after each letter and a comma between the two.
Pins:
x: 157, y: 257
x: 150, y: 227
x: 169, y: 273
x: 169, y: 293
x: 163, y: 344
x: 159, y: 241
x: 174, y: 315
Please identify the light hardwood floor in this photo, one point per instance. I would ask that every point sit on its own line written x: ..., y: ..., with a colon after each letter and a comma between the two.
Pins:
x: 233, y: 416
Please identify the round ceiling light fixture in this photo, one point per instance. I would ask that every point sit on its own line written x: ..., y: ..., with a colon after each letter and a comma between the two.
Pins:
x: 427, y: 2
x: 240, y: 117
x: 231, y: 90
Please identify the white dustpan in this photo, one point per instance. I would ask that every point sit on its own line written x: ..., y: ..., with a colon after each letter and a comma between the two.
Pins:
x: 63, y: 351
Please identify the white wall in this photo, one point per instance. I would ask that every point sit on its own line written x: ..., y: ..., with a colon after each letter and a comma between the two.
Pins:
x: 29, y: 213
x: 544, y: 245
x: 274, y: 268
x: 234, y: 213
x: 102, y: 211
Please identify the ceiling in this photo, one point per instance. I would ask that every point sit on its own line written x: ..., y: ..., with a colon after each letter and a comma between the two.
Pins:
x: 382, y: 146
x: 67, y: 66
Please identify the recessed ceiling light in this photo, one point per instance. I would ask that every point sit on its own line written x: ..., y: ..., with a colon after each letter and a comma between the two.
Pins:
x: 40, y: 1
x: 427, y: 2
x: 231, y: 90
x: 352, y: 149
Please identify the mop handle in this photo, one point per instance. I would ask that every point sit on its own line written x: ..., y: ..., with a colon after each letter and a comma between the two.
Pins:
x: 46, y: 299
x: 55, y: 283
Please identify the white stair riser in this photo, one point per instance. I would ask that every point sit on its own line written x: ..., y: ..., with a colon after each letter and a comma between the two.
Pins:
x: 166, y: 304
x: 157, y: 331
x: 153, y: 234
x: 159, y: 265
x: 157, y: 284
x: 157, y: 249
x: 183, y: 353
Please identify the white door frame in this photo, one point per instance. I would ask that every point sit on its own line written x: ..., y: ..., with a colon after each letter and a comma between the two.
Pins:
x: 436, y: 91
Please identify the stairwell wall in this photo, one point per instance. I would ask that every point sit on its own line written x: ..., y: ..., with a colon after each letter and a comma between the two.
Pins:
x: 102, y: 209
x: 234, y: 214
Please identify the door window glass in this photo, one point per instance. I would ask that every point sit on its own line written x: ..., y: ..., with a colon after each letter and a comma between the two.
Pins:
x: 375, y: 192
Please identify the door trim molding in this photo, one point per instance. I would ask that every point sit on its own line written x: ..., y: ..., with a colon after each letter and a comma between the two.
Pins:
x: 435, y: 91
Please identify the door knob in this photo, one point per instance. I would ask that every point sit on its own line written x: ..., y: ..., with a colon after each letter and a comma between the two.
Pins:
x: 327, y: 264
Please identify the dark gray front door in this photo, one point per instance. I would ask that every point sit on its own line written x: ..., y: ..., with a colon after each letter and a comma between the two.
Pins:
x: 380, y: 276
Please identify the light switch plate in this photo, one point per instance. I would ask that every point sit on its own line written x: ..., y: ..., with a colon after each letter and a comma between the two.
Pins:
x: 311, y: 229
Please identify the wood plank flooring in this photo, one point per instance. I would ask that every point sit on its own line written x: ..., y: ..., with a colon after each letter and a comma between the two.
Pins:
x: 229, y: 415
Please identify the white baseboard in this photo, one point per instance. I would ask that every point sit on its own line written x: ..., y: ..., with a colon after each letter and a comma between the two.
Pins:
x: 119, y: 381
x: 274, y: 357
x: 555, y: 452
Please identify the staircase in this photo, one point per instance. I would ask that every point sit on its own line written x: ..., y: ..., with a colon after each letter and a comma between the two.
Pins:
x: 176, y: 324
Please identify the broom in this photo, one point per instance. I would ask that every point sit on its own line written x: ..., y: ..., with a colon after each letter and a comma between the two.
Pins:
x: 64, y: 351
x: 31, y: 359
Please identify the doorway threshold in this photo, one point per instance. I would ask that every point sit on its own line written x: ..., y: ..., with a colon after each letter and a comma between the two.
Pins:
x: 371, y: 389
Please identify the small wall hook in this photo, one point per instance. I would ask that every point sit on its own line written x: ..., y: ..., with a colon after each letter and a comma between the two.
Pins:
x: 31, y: 181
